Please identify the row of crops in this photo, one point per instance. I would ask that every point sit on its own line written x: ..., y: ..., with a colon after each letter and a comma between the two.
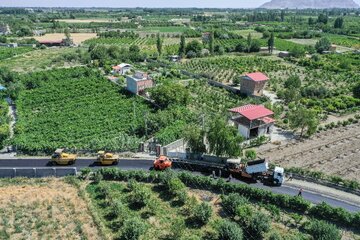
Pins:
x: 78, y: 109
x: 225, y: 69
x: 6, y: 52
x: 122, y: 41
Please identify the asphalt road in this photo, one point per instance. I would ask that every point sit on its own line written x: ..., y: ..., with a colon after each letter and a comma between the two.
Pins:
x: 146, y: 164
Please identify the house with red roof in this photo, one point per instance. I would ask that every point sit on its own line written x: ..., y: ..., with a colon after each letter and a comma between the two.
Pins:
x: 253, y: 84
x: 121, y: 69
x: 252, y: 120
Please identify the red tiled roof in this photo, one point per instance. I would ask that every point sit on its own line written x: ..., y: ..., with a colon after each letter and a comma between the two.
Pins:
x: 268, y: 120
x: 257, y: 76
x: 116, y: 67
x: 252, y: 112
x: 50, y: 42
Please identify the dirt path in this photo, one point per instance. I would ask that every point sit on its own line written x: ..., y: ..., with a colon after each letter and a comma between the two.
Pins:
x: 335, y: 151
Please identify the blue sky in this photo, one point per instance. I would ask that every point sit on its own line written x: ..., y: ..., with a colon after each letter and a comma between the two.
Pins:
x: 136, y: 3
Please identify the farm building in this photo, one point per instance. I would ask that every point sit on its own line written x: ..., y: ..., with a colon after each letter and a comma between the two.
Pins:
x: 5, y: 29
x: 138, y: 82
x: 252, y: 120
x: 284, y: 54
x: 174, y: 58
x: 121, y: 69
x: 56, y: 43
x: 332, y: 48
x: 253, y: 84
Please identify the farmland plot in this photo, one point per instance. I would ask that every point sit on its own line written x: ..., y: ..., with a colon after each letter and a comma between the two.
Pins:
x: 334, y: 152
x: 43, y: 209
x: 76, y: 108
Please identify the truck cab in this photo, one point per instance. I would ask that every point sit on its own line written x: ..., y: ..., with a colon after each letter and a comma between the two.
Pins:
x: 60, y: 157
x: 278, y: 176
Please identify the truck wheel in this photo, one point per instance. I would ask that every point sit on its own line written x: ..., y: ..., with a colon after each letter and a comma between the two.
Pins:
x: 276, y: 182
x: 71, y: 162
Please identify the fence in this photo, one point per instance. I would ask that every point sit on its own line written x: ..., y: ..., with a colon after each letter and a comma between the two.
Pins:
x: 36, y: 172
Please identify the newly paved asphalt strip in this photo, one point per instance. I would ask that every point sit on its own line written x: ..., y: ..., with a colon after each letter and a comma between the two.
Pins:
x: 133, y: 164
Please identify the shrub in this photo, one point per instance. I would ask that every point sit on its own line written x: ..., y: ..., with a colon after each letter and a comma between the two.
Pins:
x: 97, y: 177
x: 322, y: 230
x: 140, y: 196
x: 255, y: 224
x: 133, y: 228
x: 275, y: 236
x: 202, y: 214
x: 229, y: 231
x: 84, y: 173
x: 231, y: 202
x: 175, y: 185
x: 259, y: 225
x: 250, y: 154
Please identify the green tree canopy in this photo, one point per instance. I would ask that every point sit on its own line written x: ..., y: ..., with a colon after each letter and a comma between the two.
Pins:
x: 194, y: 46
x: 323, y: 231
x: 170, y: 94
x: 224, y: 140
x: 322, y: 45
x: 304, y: 119
x: 194, y: 136
x: 182, y: 46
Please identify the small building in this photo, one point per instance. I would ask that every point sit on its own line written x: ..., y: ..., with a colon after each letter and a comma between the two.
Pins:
x: 332, y: 48
x: 121, y: 69
x: 253, y: 84
x: 174, y: 58
x: 55, y: 43
x: 5, y: 29
x: 284, y: 54
x: 138, y: 82
x: 252, y: 121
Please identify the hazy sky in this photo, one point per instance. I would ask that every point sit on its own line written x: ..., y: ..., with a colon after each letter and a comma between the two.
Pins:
x: 136, y: 3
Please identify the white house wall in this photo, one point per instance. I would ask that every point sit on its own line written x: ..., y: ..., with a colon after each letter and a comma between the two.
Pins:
x: 244, y: 131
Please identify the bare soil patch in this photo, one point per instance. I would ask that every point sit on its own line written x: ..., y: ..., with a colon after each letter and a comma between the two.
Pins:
x: 49, y: 210
x: 77, y: 37
x: 335, y: 151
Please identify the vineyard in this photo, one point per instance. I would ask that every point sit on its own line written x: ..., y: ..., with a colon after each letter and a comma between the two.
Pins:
x: 6, y: 52
x: 225, y: 69
x: 350, y: 42
x: 212, y: 100
x: 77, y: 109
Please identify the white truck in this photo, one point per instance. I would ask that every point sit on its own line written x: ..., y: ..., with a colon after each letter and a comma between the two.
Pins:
x: 256, y: 170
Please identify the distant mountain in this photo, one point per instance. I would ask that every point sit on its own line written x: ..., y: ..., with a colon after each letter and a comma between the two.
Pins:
x: 301, y: 4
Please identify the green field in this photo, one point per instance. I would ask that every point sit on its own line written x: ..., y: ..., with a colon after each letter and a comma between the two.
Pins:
x: 6, y: 52
x: 77, y: 109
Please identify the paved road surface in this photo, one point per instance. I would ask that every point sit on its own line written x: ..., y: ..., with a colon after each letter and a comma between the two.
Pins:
x: 146, y: 164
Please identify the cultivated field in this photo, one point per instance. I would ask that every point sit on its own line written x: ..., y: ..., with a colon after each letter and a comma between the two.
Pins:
x: 77, y: 37
x: 334, y: 152
x: 95, y: 20
x: 43, y: 209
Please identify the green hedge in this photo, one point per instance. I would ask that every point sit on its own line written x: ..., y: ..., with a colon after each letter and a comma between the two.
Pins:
x: 293, y: 203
